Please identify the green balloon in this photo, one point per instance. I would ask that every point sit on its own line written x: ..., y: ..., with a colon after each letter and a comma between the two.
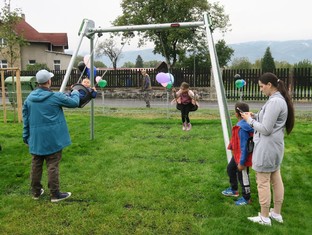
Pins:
x: 102, y: 83
x: 169, y: 85
x: 239, y: 83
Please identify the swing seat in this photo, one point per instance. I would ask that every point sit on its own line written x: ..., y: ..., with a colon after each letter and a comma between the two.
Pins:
x: 193, y: 108
x: 84, y: 94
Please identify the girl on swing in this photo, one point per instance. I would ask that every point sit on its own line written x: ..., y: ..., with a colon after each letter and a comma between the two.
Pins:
x: 186, y: 102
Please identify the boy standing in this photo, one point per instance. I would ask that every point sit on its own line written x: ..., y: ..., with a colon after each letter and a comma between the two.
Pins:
x: 238, y: 167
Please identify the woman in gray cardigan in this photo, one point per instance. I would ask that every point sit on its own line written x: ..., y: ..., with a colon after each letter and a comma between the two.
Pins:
x: 269, y: 124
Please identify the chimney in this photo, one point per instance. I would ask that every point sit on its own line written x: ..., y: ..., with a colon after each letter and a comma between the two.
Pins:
x: 23, y: 16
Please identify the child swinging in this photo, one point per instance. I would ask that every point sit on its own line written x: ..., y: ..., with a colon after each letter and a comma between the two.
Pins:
x: 186, y: 102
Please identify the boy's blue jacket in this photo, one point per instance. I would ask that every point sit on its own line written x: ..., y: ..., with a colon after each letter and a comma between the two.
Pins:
x: 238, y: 142
x: 45, y: 128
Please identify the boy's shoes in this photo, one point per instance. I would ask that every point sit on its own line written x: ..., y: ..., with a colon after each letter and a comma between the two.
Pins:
x: 230, y: 193
x: 260, y: 220
x: 37, y: 196
x: 184, y: 126
x: 242, y: 202
x: 276, y: 217
x: 188, y: 126
x: 60, y: 196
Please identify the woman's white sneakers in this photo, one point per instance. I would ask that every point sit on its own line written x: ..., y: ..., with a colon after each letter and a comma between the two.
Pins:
x: 267, y: 221
x: 260, y: 220
x: 276, y: 217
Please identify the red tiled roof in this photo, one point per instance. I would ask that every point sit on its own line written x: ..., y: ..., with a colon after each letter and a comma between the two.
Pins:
x: 57, y: 39
x: 32, y: 35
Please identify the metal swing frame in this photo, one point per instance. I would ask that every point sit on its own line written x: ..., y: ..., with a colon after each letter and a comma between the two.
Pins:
x: 88, y: 30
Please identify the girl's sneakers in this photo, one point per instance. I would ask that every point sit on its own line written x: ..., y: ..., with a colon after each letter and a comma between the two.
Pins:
x: 186, y: 126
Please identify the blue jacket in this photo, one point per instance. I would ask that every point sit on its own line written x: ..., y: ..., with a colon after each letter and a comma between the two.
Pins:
x: 45, y: 128
x: 238, y: 143
x: 244, y: 134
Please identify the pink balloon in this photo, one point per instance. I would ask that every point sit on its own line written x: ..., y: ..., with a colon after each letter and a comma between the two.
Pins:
x: 86, y: 60
x: 164, y: 84
x: 98, y: 78
x: 162, y: 77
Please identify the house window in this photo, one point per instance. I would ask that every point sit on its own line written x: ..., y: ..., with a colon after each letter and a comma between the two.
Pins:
x: 57, y: 65
x: 3, y: 64
x: 3, y: 42
x: 32, y: 62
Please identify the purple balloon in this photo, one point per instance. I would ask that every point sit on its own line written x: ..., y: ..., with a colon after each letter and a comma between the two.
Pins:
x: 162, y: 77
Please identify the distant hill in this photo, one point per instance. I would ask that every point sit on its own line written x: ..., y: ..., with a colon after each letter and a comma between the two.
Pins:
x: 126, y: 56
x: 289, y: 51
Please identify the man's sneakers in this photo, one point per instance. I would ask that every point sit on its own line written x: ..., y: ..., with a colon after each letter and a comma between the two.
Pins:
x: 60, y: 196
x: 261, y: 220
x: 242, y: 202
x: 184, y: 126
x: 37, y: 195
x: 230, y: 193
x: 55, y: 198
x: 276, y: 217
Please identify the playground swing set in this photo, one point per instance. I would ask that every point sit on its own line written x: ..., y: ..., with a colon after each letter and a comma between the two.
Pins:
x: 87, y: 29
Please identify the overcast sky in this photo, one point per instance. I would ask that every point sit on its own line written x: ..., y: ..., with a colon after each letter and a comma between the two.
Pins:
x: 251, y: 20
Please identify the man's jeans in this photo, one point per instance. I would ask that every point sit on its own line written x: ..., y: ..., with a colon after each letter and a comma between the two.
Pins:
x: 52, y: 162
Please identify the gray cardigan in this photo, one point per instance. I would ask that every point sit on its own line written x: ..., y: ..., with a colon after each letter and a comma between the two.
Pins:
x: 269, y: 128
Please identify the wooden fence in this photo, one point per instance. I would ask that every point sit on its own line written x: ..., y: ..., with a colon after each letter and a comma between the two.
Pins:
x: 299, y: 81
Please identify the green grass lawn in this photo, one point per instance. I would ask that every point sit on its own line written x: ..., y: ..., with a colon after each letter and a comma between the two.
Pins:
x: 143, y: 175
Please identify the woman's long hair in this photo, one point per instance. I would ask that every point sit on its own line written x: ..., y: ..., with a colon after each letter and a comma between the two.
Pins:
x: 280, y: 85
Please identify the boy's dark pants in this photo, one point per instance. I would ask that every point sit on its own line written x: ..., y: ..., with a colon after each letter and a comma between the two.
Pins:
x: 52, y: 162
x: 242, y: 176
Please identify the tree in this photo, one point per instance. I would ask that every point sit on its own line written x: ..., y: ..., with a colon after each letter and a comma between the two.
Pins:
x: 283, y: 65
x: 267, y: 62
x: 109, y: 48
x: 151, y: 64
x: 241, y: 63
x: 11, y: 42
x: 303, y: 64
x: 224, y: 53
x: 201, y: 58
x: 97, y: 63
x: 78, y: 59
x: 170, y: 43
x: 139, y: 62
x: 257, y: 64
x: 128, y: 65
x: 36, y: 67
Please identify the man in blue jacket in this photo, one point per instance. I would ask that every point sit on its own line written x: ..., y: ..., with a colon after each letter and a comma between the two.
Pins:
x: 45, y: 132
